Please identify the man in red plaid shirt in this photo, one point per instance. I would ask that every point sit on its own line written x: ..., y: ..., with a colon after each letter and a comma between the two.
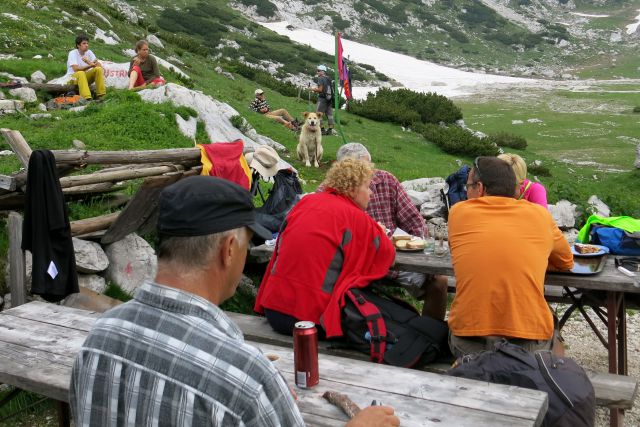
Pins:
x: 391, y: 206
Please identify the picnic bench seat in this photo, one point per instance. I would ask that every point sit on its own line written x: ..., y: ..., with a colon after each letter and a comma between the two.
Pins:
x: 612, y: 391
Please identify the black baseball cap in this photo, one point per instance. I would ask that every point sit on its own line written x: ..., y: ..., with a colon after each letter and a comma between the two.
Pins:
x: 201, y: 205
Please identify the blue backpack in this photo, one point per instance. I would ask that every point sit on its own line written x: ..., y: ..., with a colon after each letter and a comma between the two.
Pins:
x: 456, y: 193
x: 617, y: 240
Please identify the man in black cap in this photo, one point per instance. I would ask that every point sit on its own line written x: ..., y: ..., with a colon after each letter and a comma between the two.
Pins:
x: 171, y: 356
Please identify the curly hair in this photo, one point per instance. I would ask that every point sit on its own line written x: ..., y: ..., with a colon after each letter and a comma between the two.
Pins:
x: 347, y: 175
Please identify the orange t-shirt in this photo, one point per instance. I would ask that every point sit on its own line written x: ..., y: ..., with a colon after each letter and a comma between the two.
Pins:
x: 501, y: 248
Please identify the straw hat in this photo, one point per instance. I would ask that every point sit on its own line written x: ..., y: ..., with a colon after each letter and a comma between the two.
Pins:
x: 265, y: 160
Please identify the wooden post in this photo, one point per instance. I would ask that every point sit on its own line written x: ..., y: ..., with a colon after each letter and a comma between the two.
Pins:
x: 18, y: 144
x: 16, y: 260
x: 88, y: 225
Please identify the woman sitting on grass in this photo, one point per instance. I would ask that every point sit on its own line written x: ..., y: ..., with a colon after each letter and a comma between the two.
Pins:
x: 143, y: 69
x: 527, y: 190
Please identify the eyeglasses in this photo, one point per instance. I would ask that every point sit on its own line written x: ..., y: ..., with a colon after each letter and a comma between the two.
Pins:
x: 469, y: 185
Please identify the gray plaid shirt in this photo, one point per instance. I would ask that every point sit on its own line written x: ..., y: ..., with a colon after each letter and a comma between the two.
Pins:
x: 171, y: 358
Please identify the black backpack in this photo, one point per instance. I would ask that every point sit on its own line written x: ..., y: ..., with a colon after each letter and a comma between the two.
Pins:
x: 391, y: 330
x: 571, y: 395
x: 281, y: 198
x: 456, y: 192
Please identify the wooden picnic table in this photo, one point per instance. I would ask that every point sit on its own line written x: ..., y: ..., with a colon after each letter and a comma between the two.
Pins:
x: 38, y: 343
x: 610, y: 282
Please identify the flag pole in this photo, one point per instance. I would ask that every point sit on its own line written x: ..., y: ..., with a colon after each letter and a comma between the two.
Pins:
x: 336, y: 84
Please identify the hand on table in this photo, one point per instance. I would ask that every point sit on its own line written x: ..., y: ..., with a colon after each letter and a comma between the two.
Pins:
x: 375, y: 416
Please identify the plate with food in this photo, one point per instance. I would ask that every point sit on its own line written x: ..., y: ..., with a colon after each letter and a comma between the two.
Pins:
x: 410, y: 244
x: 588, y: 250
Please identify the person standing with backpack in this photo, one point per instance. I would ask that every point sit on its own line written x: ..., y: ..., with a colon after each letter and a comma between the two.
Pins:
x: 324, y: 89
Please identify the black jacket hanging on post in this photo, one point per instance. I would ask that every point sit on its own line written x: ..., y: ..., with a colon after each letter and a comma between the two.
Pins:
x: 46, y: 231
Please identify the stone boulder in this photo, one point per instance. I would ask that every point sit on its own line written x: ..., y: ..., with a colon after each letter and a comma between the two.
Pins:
x: 564, y: 214
x: 571, y: 235
x: 433, y: 209
x: 216, y: 115
x: 598, y: 207
x: 155, y: 41
x: 131, y: 261
x: 1, y: 95
x: 247, y: 287
x: 418, y: 198
x: 424, y: 184
x: 92, y: 281
x: 38, y: 77
x: 24, y: 93
x: 90, y: 258
x: 187, y: 127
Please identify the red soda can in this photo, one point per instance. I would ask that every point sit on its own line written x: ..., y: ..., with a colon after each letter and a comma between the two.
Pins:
x: 305, y: 354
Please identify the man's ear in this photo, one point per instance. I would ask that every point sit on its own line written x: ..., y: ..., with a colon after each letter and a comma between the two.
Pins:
x: 226, y: 249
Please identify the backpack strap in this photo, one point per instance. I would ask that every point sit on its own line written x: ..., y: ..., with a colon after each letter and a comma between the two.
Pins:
x: 525, y: 190
x: 375, y: 323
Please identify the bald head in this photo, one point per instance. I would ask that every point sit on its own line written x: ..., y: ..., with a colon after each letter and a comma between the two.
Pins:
x: 353, y: 150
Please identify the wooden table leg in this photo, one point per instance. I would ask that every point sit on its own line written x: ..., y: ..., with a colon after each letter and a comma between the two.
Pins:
x: 617, y: 339
x: 64, y: 414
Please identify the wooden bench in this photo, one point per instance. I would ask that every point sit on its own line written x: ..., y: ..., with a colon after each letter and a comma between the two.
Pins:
x: 612, y: 391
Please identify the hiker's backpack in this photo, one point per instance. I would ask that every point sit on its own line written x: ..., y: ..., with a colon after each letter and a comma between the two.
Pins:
x: 571, y: 395
x: 283, y: 195
x: 618, y: 241
x: 391, y: 330
x: 327, y: 89
x: 456, y: 192
x: 65, y: 102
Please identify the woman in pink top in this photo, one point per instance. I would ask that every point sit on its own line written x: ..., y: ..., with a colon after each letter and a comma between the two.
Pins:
x: 527, y: 190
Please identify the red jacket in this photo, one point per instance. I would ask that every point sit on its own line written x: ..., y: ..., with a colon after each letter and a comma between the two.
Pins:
x: 326, y: 246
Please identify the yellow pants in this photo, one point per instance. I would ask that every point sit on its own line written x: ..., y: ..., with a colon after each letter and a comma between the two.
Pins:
x: 84, y: 78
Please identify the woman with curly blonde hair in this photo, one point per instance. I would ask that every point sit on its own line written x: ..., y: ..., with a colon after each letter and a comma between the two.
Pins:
x: 327, y: 245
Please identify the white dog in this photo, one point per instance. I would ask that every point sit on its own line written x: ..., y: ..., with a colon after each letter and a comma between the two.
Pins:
x: 310, y: 142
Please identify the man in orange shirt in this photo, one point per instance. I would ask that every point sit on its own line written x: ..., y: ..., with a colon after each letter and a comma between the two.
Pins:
x: 501, y: 248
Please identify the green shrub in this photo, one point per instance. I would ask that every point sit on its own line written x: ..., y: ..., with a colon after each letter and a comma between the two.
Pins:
x: 455, y: 140
x: 538, y: 170
x: 237, y: 121
x: 636, y: 109
x: 406, y: 107
x: 506, y: 139
x: 263, y: 7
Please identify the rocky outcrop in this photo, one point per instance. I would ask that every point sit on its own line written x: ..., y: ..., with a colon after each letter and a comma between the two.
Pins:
x: 598, y: 207
x: 564, y: 214
x: 216, y: 115
x: 38, y: 77
x: 187, y: 127
x: 131, y: 261
x: 92, y: 281
x: 24, y: 93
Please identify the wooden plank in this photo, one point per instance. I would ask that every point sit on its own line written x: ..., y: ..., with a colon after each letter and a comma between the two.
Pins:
x: 16, y: 260
x: 8, y: 183
x: 54, y: 314
x: 18, y: 144
x: 174, y: 155
x: 35, y: 370
x: 51, y: 88
x: 95, y: 178
x: 140, y: 208
x: 472, y: 398
x: 88, y: 225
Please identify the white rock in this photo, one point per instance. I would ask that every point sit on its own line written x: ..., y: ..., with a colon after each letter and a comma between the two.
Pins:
x: 571, y: 235
x: 516, y: 122
x: 423, y: 184
x: 92, y: 281
x: 131, y: 261
x: 40, y: 116
x: 90, y: 258
x: 6, y: 153
x: 599, y: 207
x: 42, y: 107
x: 534, y: 121
x: 37, y: 56
x: 155, y: 41
x: 216, y: 115
x: 564, y: 214
x: 187, y: 127
x: 434, y: 209
x: 637, y: 163
x: 12, y: 77
x: 78, y: 109
x: 11, y: 104
x: 128, y: 11
x: 107, y: 39
x: 99, y: 15
x: 129, y: 52
x: 25, y: 93
x: 1, y: 95
x: 11, y: 16
x: 418, y: 197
